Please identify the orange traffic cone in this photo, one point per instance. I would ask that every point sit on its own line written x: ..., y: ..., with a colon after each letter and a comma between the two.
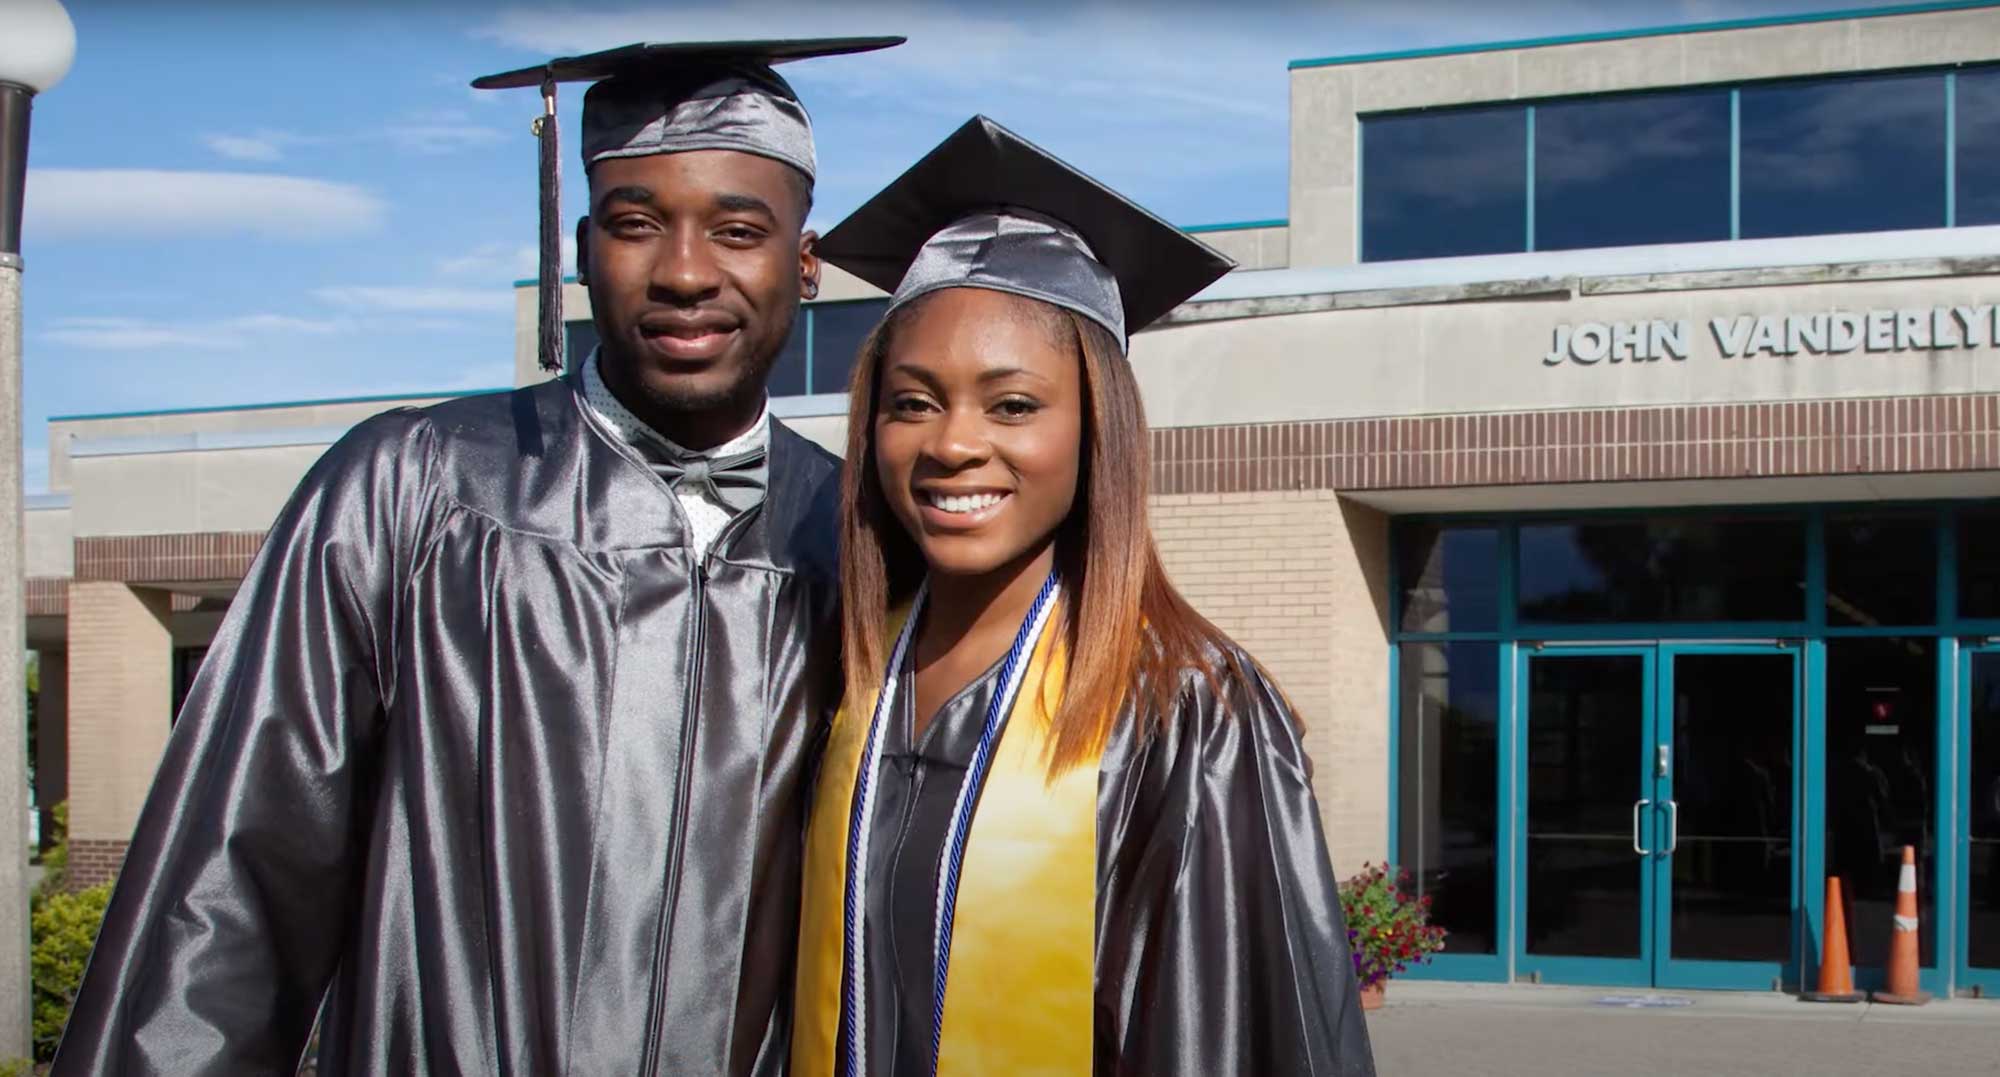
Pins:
x: 1836, y: 973
x: 1903, y: 989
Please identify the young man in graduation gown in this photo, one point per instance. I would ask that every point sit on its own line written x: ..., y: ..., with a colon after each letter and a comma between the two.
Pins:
x: 502, y: 748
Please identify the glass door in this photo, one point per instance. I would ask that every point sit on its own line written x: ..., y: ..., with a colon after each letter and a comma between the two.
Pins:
x: 1726, y: 790
x: 1659, y: 823
x: 1590, y: 823
x: 1979, y: 957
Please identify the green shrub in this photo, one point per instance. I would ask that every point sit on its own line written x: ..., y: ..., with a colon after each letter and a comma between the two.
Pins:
x: 65, y: 926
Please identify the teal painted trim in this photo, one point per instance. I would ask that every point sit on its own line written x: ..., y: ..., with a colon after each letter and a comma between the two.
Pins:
x: 1236, y: 226
x: 1735, y: 163
x: 1465, y: 968
x: 1951, y: 823
x: 1951, y: 149
x: 445, y: 395
x: 532, y: 281
x: 1531, y: 179
x: 1987, y: 980
x: 1811, y: 770
x: 1649, y: 31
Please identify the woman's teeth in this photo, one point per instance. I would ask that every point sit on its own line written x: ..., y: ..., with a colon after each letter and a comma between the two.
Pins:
x: 965, y: 502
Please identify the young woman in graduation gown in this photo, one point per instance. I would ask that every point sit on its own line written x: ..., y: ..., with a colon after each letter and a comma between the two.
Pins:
x: 1063, y: 824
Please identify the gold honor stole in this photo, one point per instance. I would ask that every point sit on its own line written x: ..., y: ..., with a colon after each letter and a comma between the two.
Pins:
x: 1020, y: 992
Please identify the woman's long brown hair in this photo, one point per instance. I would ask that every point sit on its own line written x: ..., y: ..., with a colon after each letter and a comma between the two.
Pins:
x: 1142, y: 633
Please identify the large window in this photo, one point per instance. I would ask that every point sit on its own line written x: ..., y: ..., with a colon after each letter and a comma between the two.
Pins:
x: 1444, y: 183
x: 1450, y: 578
x: 1977, y: 112
x: 1794, y: 157
x: 1669, y: 569
x: 1650, y: 168
x: 1449, y: 733
x: 1843, y: 155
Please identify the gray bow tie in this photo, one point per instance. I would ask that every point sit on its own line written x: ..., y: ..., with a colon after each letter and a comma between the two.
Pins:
x: 736, y: 480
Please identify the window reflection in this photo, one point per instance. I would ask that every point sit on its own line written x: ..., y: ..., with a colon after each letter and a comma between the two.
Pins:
x: 1450, y: 578
x: 1881, y: 569
x: 1665, y: 569
x: 1881, y: 783
x: 1978, y: 109
x: 838, y: 330
x: 579, y: 340
x: 1437, y: 184
x: 1448, y: 743
x: 1979, y: 563
x: 1652, y: 168
x: 1843, y: 155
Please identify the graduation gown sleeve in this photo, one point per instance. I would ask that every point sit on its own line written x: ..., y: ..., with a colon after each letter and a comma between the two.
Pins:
x: 1221, y: 945
x: 228, y: 917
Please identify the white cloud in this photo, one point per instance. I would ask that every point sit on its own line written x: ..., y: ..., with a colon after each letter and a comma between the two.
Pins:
x: 262, y: 146
x: 144, y: 334
x: 136, y: 202
x: 418, y: 300
x: 514, y: 261
x: 435, y: 138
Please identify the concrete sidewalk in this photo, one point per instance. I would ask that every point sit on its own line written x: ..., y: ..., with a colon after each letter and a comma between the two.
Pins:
x: 1468, y: 1030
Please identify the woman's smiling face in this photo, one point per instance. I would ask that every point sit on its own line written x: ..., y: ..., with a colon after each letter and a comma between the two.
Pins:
x: 979, y: 428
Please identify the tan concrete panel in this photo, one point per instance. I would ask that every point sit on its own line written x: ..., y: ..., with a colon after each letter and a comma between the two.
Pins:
x: 49, y: 548
x: 1934, y: 38
x: 1322, y: 183
x: 1435, y: 80
x: 135, y: 495
x: 1249, y: 248
x: 244, y: 489
x: 1601, y: 66
x: 120, y: 688
x: 1489, y: 356
x: 836, y: 284
x: 1307, y: 366
x: 1770, y: 52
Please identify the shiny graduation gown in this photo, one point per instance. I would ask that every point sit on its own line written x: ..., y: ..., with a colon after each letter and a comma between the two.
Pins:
x: 1221, y: 949
x: 483, y: 747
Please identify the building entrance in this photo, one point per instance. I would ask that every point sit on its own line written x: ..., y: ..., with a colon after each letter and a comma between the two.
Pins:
x: 1660, y: 813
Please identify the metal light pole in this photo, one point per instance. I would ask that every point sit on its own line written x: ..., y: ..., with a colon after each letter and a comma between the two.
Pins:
x: 36, y: 48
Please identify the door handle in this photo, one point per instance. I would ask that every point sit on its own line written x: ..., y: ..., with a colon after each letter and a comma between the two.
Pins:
x: 1637, y: 807
x: 1673, y: 826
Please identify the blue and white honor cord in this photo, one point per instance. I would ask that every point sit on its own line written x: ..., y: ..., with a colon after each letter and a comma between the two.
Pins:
x: 853, y: 1012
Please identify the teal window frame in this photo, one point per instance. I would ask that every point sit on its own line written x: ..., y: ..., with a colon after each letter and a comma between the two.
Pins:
x: 1529, y: 242
x: 1953, y: 634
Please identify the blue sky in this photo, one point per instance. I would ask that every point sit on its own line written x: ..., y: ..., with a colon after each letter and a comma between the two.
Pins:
x: 234, y: 202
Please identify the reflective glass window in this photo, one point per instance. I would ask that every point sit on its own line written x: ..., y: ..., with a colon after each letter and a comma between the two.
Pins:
x: 1881, y: 784
x: 1979, y: 563
x: 1978, y: 162
x: 1450, y: 578
x: 788, y: 374
x: 1446, y: 769
x: 1843, y: 155
x: 1668, y: 569
x: 838, y: 330
x: 1881, y: 569
x: 1437, y: 184
x: 1649, y: 168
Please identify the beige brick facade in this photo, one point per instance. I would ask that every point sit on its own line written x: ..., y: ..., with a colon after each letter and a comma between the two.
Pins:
x: 1301, y: 581
x: 120, y: 690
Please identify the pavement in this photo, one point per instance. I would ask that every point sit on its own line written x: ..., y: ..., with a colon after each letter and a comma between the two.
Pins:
x: 1494, y: 1030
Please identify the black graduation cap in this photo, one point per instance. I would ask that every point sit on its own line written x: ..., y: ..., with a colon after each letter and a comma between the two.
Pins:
x: 668, y: 98
x: 989, y: 209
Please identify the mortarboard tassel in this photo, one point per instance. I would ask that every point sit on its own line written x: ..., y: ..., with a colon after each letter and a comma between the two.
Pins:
x: 550, y: 283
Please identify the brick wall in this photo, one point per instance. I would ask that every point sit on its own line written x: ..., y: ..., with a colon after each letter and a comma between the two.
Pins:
x: 1901, y: 435
x: 1299, y: 579
x: 93, y: 862
x: 120, y: 690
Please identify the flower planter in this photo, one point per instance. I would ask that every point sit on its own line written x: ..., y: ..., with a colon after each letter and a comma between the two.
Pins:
x: 1371, y: 996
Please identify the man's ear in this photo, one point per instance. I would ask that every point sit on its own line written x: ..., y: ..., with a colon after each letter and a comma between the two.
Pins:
x: 583, y: 250
x: 809, y: 264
